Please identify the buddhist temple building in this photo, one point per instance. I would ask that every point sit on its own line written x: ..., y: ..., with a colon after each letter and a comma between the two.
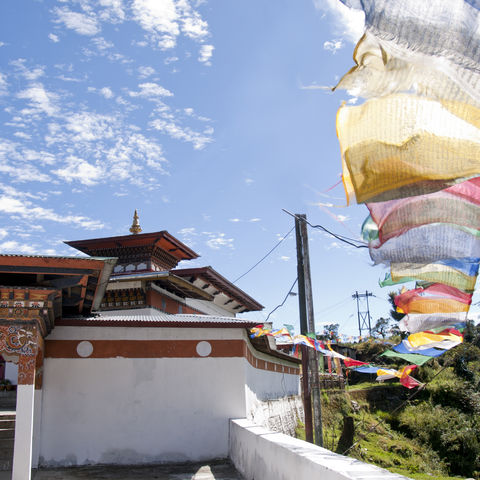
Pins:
x: 124, y: 358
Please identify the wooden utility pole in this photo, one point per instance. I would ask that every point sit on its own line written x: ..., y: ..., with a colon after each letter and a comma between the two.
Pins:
x: 310, y: 378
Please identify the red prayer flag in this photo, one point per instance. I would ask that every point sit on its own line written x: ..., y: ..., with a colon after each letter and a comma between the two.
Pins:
x: 350, y: 362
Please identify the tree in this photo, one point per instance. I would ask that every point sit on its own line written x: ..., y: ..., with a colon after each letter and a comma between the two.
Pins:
x: 381, y: 327
x: 330, y: 331
x: 393, y: 311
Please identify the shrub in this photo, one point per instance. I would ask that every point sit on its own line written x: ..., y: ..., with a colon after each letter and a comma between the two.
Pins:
x: 451, y: 433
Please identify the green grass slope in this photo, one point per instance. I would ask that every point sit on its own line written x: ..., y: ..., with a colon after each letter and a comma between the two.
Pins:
x: 433, y: 435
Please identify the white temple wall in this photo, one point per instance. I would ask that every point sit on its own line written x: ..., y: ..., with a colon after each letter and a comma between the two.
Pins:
x: 128, y: 411
x: 126, y: 395
x: 272, y: 397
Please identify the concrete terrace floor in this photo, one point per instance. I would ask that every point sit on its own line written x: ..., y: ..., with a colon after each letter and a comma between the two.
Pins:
x: 216, y: 470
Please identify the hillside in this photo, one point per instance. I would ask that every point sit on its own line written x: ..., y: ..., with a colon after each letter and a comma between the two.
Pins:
x: 430, y: 432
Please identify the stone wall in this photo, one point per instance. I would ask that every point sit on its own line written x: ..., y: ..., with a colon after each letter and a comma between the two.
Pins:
x: 280, y: 415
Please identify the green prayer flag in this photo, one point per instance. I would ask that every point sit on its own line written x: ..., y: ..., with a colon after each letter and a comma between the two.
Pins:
x: 413, y: 358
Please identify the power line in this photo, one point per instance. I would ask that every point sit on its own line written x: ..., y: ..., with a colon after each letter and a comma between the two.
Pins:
x: 334, y: 305
x: 342, y: 238
x: 266, y: 255
x: 284, y: 300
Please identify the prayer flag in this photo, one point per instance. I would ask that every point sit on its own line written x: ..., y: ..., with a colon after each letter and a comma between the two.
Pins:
x: 458, y: 273
x: 414, y: 323
x: 430, y: 47
x: 405, y: 347
x: 403, y: 145
x: 458, y: 205
x: 427, y: 244
x: 414, y: 358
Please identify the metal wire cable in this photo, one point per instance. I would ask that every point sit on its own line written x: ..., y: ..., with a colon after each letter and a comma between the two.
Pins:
x: 284, y: 300
x: 265, y: 256
x: 342, y: 238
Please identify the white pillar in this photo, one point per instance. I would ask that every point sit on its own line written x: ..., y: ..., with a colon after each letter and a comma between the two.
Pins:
x: 22, y: 454
x: 37, y: 419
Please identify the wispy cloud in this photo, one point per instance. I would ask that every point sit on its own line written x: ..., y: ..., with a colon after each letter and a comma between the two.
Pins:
x: 206, y: 52
x: 348, y: 23
x: 113, y: 11
x: 151, y: 91
x: 165, y: 21
x: 174, y: 130
x: 14, y: 203
x: 77, y: 169
x: 251, y: 220
x: 333, y: 45
x: 103, y: 148
x: 106, y: 92
x: 188, y: 235
x: 159, y: 19
x: 192, y: 23
x: 102, y: 44
x: 29, y: 73
x: 216, y: 241
x: 60, y: 144
x: 81, y: 23
x: 23, y: 135
x: 39, y: 100
x: 146, y: 71
x: 14, y: 246
x: 22, y: 164
x: 213, y: 240
x: 3, y: 84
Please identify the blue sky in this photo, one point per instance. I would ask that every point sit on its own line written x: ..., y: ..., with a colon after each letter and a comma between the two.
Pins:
x: 207, y: 116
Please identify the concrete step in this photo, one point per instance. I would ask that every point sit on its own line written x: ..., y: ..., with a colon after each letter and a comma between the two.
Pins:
x: 8, y: 399
x: 7, y: 414
x: 7, y: 433
x: 7, y: 423
x: 5, y: 466
x: 7, y: 437
x: 5, y: 444
x: 6, y: 453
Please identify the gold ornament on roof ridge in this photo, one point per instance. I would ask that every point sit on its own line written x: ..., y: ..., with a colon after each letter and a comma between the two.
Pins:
x: 135, y: 228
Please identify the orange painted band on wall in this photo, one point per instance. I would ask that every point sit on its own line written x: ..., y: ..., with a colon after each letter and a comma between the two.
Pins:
x: 143, y: 348
x: 162, y: 349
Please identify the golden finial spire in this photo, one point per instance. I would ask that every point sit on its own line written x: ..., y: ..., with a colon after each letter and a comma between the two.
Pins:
x: 135, y: 228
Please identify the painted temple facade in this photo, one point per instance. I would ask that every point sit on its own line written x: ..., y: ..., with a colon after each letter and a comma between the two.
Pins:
x: 125, y: 358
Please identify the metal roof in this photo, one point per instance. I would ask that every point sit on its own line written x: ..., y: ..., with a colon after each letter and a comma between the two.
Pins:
x: 66, y: 257
x: 209, y: 275
x: 158, y: 319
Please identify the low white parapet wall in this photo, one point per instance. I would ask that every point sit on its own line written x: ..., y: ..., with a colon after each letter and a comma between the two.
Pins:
x: 259, y: 454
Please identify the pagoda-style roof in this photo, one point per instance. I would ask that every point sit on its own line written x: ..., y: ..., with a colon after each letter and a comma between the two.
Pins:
x: 157, y: 250
x: 42, y: 289
x: 166, y: 280
x: 212, y: 282
x: 81, y: 280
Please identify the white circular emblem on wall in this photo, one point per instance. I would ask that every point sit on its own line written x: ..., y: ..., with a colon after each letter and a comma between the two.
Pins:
x: 204, y: 349
x: 84, y: 349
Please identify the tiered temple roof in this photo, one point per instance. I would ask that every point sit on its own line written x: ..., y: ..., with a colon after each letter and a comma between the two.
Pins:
x: 147, y: 261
